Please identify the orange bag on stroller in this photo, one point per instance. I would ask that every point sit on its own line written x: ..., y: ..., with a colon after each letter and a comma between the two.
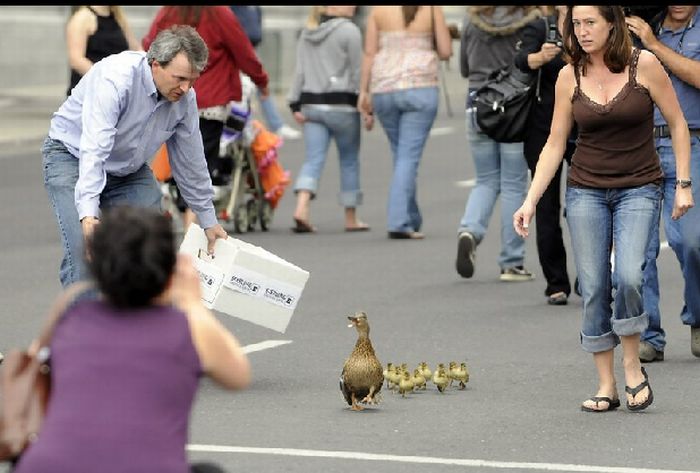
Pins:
x: 273, y: 178
x: 161, y: 165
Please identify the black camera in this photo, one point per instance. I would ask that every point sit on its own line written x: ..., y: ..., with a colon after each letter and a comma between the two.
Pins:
x: 553, y: 35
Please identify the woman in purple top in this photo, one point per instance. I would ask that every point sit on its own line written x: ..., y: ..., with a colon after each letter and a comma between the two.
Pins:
x: 126, y: 365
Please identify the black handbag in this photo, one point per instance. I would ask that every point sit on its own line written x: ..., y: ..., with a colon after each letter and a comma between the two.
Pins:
x: 503, y: 104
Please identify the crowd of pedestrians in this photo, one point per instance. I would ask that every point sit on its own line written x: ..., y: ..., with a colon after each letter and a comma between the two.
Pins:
x: 618, y: 102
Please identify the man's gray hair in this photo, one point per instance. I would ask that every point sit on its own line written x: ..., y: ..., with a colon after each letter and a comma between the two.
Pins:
x: 176, y: 39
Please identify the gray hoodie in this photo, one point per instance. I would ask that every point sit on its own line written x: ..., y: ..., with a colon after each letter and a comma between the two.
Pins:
x: 328, y: 65
x: 489, y: 42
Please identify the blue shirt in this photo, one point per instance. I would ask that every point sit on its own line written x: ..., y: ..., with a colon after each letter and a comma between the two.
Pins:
x: 688, y: 96
x: 114, y: 123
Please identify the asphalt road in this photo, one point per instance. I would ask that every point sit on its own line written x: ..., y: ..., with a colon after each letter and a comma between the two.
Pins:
x: 520, y: 411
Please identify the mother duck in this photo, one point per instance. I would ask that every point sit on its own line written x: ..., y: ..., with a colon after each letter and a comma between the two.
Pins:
x: 362, y: 376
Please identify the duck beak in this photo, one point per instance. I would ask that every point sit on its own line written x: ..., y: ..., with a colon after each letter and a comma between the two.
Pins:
x: 353, y: 321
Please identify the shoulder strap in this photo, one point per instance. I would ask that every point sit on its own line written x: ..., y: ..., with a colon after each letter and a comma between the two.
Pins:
x: 58, y: 308
x: 633, y: 65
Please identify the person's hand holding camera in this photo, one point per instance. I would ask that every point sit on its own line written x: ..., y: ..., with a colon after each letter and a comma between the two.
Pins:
x: 549, y: 51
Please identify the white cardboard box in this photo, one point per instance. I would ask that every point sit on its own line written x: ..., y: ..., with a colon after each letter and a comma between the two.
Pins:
x: 246, y: 281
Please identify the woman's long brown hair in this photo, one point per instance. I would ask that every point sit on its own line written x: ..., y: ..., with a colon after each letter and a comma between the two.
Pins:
x: 619, y: 52
x: 409, y: 14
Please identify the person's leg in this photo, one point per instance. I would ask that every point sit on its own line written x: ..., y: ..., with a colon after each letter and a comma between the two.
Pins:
x: 550, y: 240
x: 60, y: 177
x: 589, y: 218
x: 590, y: 221
x: 419, y: 107
x: 514, y: 182
x: 345, y: 128
x: 690, y: 238
x: 387, y: 111
x: 316, y: 142
x: 219, y: 168
x: 139, y: 189
x: 654, y: 337
x: 482, y: 199
x: 607, y: 397
x: 635, y: 212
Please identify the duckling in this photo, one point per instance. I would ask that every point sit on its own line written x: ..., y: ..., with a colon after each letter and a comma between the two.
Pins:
x: 452, y: 372
x: 425, y: 371
x: 406, y: 384
x: 394, y: 378
x: 418, y: 380
x: 387, y: 374
x: 361, y: 378
x: 440, y: 378
x: 462, y: 375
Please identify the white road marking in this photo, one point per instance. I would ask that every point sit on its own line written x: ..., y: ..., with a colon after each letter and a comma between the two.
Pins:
x: 475, y: 463
x: 264, y: 345
x: 441, y: 130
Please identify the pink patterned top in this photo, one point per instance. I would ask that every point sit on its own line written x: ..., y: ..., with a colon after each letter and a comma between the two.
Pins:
x: 405, y: 60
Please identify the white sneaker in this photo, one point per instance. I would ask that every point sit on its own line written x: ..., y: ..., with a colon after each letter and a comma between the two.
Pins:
x: 286, y: 131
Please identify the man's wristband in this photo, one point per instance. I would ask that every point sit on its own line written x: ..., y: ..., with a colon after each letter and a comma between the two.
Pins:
x: 683, y: 183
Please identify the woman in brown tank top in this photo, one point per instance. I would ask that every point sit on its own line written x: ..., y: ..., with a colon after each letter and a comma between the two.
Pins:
x: 613, y: 196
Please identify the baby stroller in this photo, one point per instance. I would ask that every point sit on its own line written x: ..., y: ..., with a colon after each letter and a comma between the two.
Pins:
x: 257, y: 179
x: 248, y: 181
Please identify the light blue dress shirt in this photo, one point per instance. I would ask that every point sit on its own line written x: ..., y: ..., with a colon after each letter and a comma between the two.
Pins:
x: 686, y: 42
x: 114, y: 123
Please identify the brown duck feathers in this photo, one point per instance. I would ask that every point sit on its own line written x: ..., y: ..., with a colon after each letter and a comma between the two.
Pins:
x: 362, y: 376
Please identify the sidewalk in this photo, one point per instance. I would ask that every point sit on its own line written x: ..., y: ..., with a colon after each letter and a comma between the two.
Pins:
x: 25, y: 113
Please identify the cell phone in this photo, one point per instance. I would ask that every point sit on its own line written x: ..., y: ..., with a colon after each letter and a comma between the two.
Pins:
x: 553, y: 35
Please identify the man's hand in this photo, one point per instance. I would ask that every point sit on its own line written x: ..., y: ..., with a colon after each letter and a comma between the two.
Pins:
x: 642, y: 30
x: 212, y: 233
x: 264, y: 91
x: 88, y: 224
x: 299, y: 117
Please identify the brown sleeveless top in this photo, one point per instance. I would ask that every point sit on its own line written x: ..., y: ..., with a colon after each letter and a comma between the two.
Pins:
x: 615, y: 146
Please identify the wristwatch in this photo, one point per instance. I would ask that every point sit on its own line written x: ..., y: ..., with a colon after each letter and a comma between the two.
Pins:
x: 683, y: 183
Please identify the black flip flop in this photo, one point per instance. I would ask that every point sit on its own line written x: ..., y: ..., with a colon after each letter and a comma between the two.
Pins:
x: 612, y: 404
x: 635, y: 390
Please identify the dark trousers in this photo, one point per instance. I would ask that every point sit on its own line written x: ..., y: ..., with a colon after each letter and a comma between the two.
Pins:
x: 550, y: 242
x: 206, y: 468
x: 219, y: 169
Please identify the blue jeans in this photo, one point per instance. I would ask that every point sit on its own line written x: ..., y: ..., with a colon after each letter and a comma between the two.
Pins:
x: 501, y: 168
x: 60, y: 177
x: 320, y: 127
x: 684, y: 238
x: 407, y: 116
x: 599, y: 219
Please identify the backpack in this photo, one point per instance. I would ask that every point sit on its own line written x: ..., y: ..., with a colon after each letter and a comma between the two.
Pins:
x: 503, y: 103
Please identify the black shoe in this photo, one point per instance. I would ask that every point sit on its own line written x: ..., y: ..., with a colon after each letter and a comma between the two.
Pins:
x: 647, y: 353
x: 406, y: 235
x: 466, y: 254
